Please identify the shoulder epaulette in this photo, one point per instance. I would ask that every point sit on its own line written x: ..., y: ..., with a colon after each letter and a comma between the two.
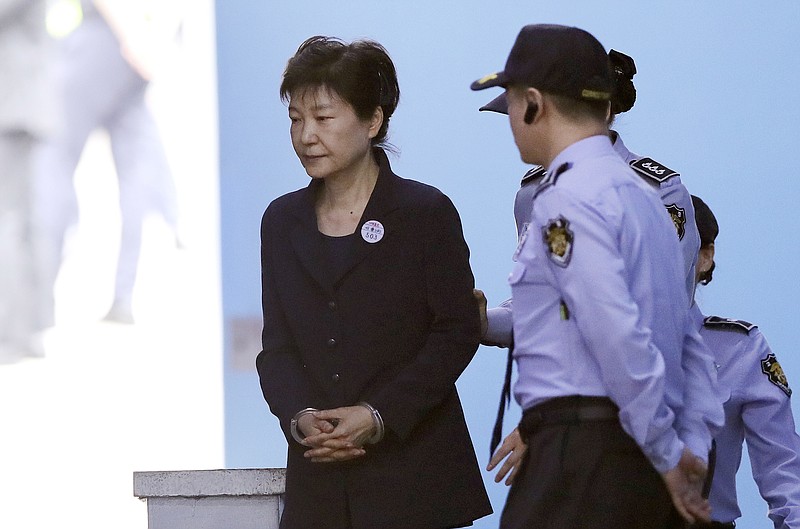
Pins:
x: 533, y: 173
x: 715, y: 322
x: 653, y: 169
x: 550, y: 179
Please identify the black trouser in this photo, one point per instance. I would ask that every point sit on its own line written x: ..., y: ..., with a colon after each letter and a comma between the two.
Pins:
x: 713, y: 525
x: 582, y: 471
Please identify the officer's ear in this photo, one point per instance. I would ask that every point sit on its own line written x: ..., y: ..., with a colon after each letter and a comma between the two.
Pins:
x: 705, y: 260
x: 534, y: 99
x: 530, y: 113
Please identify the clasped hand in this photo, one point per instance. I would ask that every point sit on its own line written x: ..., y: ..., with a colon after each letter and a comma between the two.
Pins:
x: 336, y: 435
x: 685, y: 483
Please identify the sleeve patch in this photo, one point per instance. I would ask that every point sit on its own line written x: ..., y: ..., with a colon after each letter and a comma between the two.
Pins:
x: 678, y: 216
x: 558, y: 238
x: 535, y: 173
x: 653, y: 169
x: 728, y: 324
x: 772, y: 368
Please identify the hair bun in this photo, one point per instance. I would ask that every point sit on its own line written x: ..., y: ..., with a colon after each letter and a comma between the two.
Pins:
x: 622, y: 64
x: 624, y: 69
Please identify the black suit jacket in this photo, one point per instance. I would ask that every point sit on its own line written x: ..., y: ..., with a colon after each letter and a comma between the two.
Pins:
x: 395, y: 328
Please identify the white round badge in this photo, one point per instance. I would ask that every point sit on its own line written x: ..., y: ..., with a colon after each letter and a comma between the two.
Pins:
x: 372, y: 231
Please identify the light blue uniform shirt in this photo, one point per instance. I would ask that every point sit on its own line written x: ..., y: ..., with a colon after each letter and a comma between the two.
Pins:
x: 500, y: 324
x: 676, y: 200
x: 599, y: 308
x: 674, y: 196
x: 758, y: 411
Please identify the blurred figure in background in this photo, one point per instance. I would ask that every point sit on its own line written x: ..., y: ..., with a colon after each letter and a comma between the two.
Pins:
x: 24, y: 120
x: 103, y: 70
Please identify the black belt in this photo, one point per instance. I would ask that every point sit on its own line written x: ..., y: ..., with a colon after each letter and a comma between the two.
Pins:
x: 568, y: 410
x: 713, y: 525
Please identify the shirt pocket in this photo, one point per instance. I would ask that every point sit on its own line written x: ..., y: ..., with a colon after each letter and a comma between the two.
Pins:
x: 517, y: 274
x: 529, y: 271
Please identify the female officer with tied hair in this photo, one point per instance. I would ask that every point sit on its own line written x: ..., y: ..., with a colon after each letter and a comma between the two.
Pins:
x: 368, y: 313
x: 756, y: 402
x: 673, y: 193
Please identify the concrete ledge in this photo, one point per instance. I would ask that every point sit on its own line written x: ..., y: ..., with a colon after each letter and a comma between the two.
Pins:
x: 248, y: 498
x: 204, y: 483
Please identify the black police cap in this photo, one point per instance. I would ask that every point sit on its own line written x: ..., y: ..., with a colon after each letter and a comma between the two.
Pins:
x: 556, y: 59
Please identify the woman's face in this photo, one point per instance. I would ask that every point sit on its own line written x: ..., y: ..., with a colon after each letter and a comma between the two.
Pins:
x: 327, y: 135
x: 705, y: 259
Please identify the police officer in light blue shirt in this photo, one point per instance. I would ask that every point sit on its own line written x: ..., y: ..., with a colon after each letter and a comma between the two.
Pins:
x: 600, y: 315
x: 676, y: 200
x: 673, y: 192
x: 757, y: 407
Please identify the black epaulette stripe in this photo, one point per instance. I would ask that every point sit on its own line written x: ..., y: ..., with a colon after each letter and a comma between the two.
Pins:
x: 729, y: 324
x: 653, y: 169
x: 563, y: 168
x: 535, y: 172
x: 544, y: 184
x: 550, y: 179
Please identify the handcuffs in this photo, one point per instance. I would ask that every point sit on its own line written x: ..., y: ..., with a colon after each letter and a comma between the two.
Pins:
x: 376, y: 419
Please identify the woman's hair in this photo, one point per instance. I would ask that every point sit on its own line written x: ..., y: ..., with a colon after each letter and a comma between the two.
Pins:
x: 624, y: 69
x: 708, y: 228
x: 361, y: 73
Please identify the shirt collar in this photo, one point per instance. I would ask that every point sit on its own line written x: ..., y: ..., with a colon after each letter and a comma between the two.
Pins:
x: 620, y: 148
x: 582, y: 149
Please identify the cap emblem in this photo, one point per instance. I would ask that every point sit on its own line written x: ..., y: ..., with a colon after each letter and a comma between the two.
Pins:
x: 485, y: 79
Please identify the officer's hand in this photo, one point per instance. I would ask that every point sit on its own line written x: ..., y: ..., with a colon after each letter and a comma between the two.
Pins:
x: 685, y: 484
x: 514, y: 447
x: 480, y: 297
x: 695, y: 469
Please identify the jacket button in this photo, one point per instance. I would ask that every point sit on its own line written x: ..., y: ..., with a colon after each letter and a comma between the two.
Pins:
x: 331, y: 342
x: 335, y: 377
x: 332, y: 305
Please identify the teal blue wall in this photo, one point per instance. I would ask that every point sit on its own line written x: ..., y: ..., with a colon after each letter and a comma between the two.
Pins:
x: 717, y: 101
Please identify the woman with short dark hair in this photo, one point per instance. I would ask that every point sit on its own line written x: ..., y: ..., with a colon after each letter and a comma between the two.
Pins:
x: 368, y: 313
